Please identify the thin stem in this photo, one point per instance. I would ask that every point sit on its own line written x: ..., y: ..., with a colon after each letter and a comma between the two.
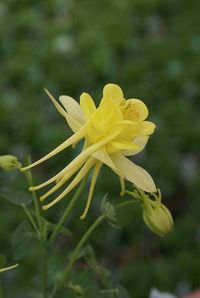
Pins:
x: 45, y: 274
x: 67, y: 211
x: 35, y: 199
x: 30, y: 218
x: 85, y: 237
x: 124, y: 204
x: 109, y: 291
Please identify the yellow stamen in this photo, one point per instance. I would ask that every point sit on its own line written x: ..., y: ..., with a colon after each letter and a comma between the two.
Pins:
x: 92, y: 186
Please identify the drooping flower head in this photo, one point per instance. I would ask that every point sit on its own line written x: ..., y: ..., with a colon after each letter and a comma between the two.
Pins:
x: 115, y: 129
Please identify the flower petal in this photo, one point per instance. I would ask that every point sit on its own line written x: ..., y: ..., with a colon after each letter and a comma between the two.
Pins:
x: 72, y: 107
x: 147, y: 128
x: 104, y: 157
x: 138, y: 109
x: 113, y: 92
x: 133, y: 173
x: 140, y: 142
x: 87, y: 105
x: 124, y: 145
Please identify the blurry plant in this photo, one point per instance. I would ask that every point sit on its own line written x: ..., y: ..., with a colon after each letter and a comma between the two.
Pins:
x: 114, y: 130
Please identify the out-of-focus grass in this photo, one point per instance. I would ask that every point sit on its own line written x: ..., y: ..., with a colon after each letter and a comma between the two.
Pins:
x: 150, y: 48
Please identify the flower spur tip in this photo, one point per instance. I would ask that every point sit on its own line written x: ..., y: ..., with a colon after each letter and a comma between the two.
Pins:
x: 45, y: 207
x: 41, y: 198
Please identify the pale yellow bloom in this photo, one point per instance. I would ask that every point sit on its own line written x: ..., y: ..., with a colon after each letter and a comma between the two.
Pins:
x: 115, y: 129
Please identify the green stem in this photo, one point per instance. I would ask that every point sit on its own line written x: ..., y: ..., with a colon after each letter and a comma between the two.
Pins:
x: 109, y: 291
x: 67, y: 212
x: 124, y: 204
x: 35, y: 200
x: 45, y: 274
x: 29, y: 179
x: 30, y: 218
x: 85, y: 237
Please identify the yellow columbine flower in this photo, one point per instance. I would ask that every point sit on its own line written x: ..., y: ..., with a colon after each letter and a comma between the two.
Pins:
x: 113, y: 130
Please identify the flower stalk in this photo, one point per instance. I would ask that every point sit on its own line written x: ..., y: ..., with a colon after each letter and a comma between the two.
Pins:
x: 67, y: 211
x: 81, y: 243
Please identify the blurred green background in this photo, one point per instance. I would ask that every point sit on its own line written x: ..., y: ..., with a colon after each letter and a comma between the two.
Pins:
x: 151, y: 48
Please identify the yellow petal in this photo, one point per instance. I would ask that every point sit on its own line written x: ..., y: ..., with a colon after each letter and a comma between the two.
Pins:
x: 92, y: 186
x: 129, y: 130
x: 114, y: 92
x: 135, y: 110
x: 85, y: 169
x: 73, y: 139
x: 133, y: 173
x: 104, y: 157
x: 73, y: 108
x: 87, y: 105
x: 124, y: 145
x: 73, y: 123
x: 147, y: 128
x: 140, y: 142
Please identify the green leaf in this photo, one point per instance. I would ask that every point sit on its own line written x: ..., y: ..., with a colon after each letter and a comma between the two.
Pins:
x: 108, y: 210
x: 3, y: 260
x: 21, y: 240
x: 16, y: 197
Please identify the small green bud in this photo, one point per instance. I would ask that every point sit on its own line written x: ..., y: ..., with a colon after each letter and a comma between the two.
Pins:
x: 9, y: 162
x: 158, y: 219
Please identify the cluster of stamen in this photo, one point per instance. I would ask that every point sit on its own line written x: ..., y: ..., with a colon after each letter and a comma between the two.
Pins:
x: 129, y: 110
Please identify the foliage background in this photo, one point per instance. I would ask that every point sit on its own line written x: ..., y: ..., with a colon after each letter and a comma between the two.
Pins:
x: 151, y: 49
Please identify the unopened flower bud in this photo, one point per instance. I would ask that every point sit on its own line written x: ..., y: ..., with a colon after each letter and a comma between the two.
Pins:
x: 158, y: 219
x: 9, y: 162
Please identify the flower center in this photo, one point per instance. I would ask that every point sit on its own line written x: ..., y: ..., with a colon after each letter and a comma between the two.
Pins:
x: 130, y: 110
